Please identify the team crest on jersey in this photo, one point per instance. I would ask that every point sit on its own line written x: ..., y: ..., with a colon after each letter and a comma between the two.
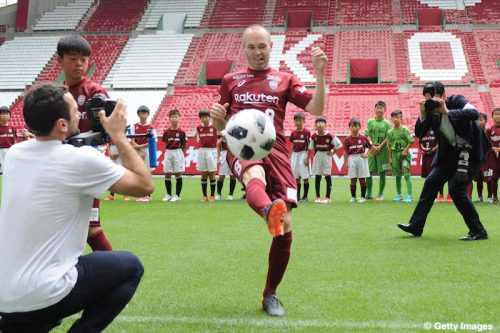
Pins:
x: 242, y: 82
x: 359, y: 141
x: 302, y: 136
x: 211, y: 130
x: 177, y: 134
x: 327, y: 140
x: 273, y: 84
x: 81, y: 100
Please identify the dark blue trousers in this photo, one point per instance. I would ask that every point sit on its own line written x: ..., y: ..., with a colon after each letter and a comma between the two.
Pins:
x: 106, y: 283
x: 442, y: 173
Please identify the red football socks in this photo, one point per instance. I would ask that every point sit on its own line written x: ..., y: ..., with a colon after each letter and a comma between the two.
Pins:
x: 279, y: 254
x: 99, y: 242
x: 257, y: 197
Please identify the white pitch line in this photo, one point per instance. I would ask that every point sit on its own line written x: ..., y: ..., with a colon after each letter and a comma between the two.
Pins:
x: 269, y: 322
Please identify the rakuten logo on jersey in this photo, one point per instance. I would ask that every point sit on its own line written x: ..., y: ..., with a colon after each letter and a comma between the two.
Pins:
x: 256, y: 98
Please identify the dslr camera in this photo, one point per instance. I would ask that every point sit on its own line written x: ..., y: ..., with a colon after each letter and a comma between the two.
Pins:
x: 98, y: 136
x: 430, y: 104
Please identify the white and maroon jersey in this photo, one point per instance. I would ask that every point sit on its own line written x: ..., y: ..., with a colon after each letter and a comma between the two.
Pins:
x: 207, y: 136
x: 356, y: 144
x: 7, y: 136
x: 142, y: 129
x: 300, y: 140
x: 268, y: 91
x: 323, y: 142
x: 81, y: 92
x: 494, y: 135
x: 174, y: 138
x: 428, y: 141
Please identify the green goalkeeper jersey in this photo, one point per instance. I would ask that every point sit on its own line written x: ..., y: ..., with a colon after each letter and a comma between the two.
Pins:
x: 377, y: 130
x: 399, y: 138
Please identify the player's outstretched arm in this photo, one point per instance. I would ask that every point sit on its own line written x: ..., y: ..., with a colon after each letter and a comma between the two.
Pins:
x: 317, y: 104
x: 218, y: 115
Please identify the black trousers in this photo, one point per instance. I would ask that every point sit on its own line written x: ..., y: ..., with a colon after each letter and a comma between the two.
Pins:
x: 442, y: 173
x: 106, y: 283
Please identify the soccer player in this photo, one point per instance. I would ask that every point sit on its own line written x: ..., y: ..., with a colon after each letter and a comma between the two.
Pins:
x: 206, y: 137
x: 175, y: 149
x: 376, y: 130
x: 7, y: 134
x: 492, y: 168
x: 355, y: 159
x: 300, y: 154
x: 323, y: 144
x: 73, y: 55
x: 141, y: 144
x: 224, y: 169
x: 270, y: 183
x: 399, y: 140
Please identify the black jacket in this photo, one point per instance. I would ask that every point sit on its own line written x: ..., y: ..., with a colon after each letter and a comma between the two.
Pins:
x: 465, y: 125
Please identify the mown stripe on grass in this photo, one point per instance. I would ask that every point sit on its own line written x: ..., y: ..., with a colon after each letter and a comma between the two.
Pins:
x: 270, y: 322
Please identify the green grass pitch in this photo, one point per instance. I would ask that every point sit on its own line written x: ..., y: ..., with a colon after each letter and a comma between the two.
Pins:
x: 351, y: 269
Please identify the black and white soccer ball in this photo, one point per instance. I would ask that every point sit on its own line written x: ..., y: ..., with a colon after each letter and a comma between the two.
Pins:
x: 250, y: 134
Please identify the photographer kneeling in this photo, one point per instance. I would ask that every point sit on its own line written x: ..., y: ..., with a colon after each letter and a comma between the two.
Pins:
x: 43, y: 275
x: 463, y: 147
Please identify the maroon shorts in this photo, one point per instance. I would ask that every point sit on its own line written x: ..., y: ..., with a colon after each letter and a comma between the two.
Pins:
x: 279, y: 176
x: 95, y: 214
x: 491, y: 168
x: 427, y: 164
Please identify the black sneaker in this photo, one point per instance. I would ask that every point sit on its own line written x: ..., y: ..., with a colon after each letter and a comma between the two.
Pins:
x: 472, y: 236
x: 272, y: 305
x: 410, y: 229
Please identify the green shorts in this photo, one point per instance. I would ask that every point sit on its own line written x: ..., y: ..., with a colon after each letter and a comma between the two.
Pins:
x: 400, y: 163
x: 379, y: 163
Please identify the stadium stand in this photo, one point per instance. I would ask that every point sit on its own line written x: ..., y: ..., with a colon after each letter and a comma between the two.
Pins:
x: 7, y: 98
x: 135, y: 98
x: 236, y: 13
x: 115, y: 15
x: 105, y: 51
x: 364, y: 13
x: 23, y: 58
x: 189, y: 101
x: 360, y: 45
x: 409, y: 10
x: 320, y: 10
x: 156, y: 8
x: 485, y: 12
x: 65, y: 17
x: 495, y: 95
x: 488, y: 45
x: 149, y: 61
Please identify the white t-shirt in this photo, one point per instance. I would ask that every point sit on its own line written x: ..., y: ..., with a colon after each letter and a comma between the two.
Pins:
x: 47, y: 193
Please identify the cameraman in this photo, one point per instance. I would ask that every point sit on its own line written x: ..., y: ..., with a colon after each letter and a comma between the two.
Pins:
x: 43, y: 275
x: 463, y: 146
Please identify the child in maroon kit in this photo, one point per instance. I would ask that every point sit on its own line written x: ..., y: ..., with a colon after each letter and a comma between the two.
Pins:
x: 7, y: 134
x: 206, y: 137
x: 300, y: 154
x: 141, y: 144
x: 323, y: 144
x: 429, y: 146
x: 479, y: 177
x: 492, y: 165
x: 175, y: 148
x: 73, y: 55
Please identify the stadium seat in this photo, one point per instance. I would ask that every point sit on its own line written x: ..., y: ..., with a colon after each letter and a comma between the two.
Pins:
x: 156, y: 8
x: 236, y: 13
x: 64, y: 17
x: 115, y: 15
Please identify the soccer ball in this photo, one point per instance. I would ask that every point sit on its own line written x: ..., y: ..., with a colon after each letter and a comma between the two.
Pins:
x: 250, y: 134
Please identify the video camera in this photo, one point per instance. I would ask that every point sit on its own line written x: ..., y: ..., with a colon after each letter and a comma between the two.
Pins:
x: 98, y: 135
x: 430, y: 104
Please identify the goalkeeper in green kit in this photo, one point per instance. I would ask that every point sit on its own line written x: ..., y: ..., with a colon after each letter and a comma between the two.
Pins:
x: 377, y: 129
x: 399, y: 140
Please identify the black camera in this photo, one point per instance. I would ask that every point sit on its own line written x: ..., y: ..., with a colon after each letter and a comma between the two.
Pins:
x: 98, y: 136
x: 97, y: 103
x: 430, y: 104
x: 464, y: 152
